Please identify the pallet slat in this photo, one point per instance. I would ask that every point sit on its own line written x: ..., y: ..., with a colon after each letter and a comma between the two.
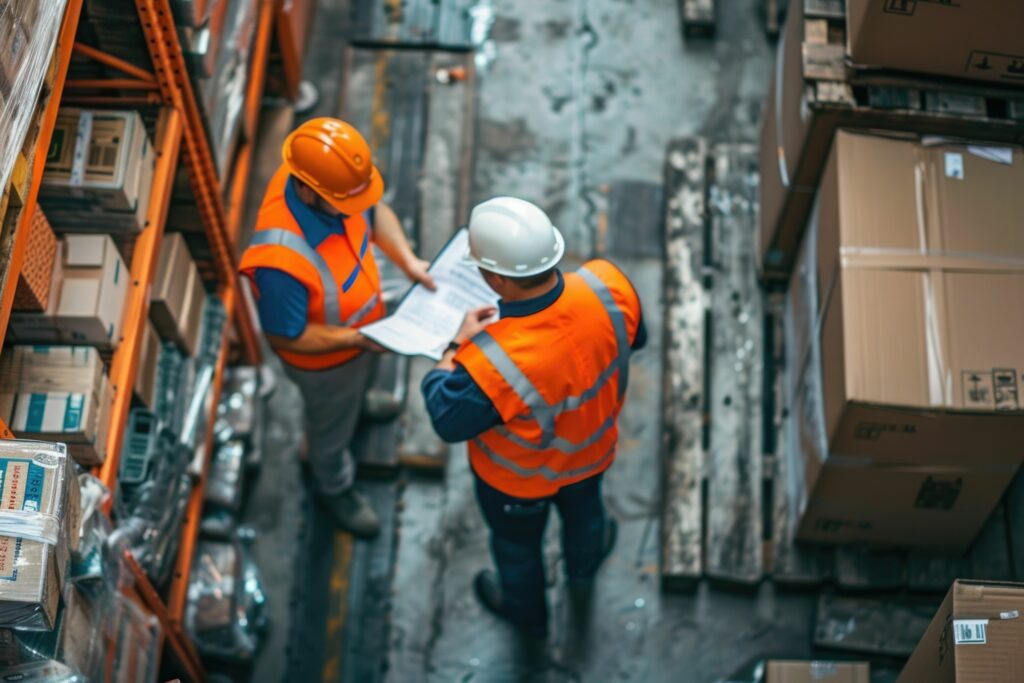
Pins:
x: 682, y: 556
x: 734, y: 544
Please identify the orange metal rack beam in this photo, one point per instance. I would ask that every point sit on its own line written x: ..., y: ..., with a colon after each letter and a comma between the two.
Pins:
x: 176, y: 88
x: 65, y: 41
x: 143, y: 269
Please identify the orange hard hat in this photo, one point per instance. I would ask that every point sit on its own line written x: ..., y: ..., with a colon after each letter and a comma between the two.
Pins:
x: 332, y: 157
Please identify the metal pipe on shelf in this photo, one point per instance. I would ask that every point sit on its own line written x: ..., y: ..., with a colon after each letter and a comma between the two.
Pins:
x: 143, y: 269
x: 114, y: 62
x: 150, y: 100
x: 110, y: 84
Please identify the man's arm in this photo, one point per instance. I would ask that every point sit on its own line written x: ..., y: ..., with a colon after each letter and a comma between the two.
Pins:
x: 318, y: 338
x: 389, y: 235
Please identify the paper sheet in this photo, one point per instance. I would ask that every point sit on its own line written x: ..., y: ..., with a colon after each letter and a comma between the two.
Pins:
x: 425, y: 322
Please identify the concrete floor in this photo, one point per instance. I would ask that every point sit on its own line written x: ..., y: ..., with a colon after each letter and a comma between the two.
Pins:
x: 582, y: 97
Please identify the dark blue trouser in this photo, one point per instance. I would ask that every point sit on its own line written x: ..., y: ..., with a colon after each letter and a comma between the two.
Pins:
x: 517, y: 533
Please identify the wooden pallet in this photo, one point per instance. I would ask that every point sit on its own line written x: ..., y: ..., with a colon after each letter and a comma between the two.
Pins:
x: 727, y: 502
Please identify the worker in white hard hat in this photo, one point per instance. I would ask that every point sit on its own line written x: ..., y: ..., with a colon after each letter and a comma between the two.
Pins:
x: 537, y: 392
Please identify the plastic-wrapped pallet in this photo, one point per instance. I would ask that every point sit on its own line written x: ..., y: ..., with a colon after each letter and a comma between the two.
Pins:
x: 39, y: 521
x: 224, y: 484
x: 28, y: 38
x: 225, y: 613
x: 240, y: 414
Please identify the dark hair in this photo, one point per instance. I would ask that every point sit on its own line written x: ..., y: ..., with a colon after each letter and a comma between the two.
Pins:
x: 531, y: 281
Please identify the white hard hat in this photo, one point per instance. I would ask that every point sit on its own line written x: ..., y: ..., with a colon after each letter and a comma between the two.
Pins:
x: 513, y: 237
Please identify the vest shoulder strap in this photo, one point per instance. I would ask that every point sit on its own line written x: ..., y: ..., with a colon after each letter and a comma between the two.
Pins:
x: 300, y: 247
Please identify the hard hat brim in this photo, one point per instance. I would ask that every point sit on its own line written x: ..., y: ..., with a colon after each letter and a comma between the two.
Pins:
x: 362, y: 201
x: 509, y: 272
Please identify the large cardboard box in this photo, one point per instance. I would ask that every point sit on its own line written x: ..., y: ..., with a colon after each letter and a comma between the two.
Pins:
x: 978, y: 39
x: 799, y: 121
x: 904, y: 325
x: 92, y: 291
x: 36, y: 274
x: 975, y: 637
x: 177, y: 284
x: 57, y: 393
x: 781, y: 671
x: 36, y: 477
x: 99, y: 172
x: 145, y: 374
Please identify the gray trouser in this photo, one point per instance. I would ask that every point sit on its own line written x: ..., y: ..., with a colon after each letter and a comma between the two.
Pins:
x: 333, y: 400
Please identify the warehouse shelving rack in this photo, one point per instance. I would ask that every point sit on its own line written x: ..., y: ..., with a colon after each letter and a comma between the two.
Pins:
x: 180, y: 134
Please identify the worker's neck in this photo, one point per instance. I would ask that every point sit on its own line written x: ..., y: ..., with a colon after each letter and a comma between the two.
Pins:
x: 520, y: 294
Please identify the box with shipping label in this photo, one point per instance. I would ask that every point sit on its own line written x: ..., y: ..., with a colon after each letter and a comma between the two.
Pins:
x: 59, y: 393
x: 818, y: 671
x: 979, y: 39
x: 975, y: 637
x: 800, y: 119
x: 172, y: 303
x: 93, y: 290
x: 99, y: 172
x: 35, y: 477
x: 902, y: 322
x: 36, y: 274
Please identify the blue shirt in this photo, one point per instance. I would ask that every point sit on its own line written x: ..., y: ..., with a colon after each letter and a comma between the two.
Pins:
x: 283, y: 302
x: 458, y: 407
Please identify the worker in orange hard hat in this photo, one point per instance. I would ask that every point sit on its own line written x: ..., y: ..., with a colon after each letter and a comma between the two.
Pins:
x: 316, y: 283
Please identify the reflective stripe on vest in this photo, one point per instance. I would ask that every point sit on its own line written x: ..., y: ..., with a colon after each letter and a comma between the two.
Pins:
x: 545, y: 413
x: 332, y: 304
x: 544, y: 471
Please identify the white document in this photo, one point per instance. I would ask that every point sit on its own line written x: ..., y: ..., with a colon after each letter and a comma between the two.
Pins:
x: 425, y: 322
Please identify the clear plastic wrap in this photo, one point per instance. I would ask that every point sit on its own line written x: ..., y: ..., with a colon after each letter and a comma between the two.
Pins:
x: 28, y: 38
x: 138, y: 644
x: 39, y: 525
x: 225, y: 613
x: 224, y: 483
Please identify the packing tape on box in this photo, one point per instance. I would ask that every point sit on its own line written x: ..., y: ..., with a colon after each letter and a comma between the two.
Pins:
x: 30, y: 526
x: 83, y: 136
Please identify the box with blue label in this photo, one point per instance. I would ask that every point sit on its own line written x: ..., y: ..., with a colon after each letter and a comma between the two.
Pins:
x: 59, y: 393
x: 39, y: 517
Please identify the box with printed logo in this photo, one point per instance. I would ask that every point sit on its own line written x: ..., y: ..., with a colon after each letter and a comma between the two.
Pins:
x: 35, y: 477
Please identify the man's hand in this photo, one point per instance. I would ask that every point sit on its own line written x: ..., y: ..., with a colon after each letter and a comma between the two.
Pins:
x: 416, y: 270
x: 366, y: 344
x: 475, y: 322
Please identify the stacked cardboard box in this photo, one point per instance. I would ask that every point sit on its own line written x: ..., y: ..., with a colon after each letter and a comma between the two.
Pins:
x: 145, y: 375
x: 59, y: 393
x: 902, y: 326
x: 976, y: 637
x: 35, y: 478
x: 178, y: 297
x: 814, y: 92
x: 99, y: 172
x: 86, y: 297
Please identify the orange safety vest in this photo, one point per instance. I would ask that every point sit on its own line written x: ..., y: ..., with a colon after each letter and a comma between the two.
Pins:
x: 557, y: 378
x: 340, y: 274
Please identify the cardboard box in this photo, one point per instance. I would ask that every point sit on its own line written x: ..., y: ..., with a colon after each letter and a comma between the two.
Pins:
x: 903, y: 325
x: 59, y: 393
x: 798, y: 125
x: 99, y: 172
x: 173, y: 307
x: 145, y: 374
x: 975, y: 637
x: 36, y: 274
x: 92, y: 291
x: 980, y: 39
x: 817, y: 672
x: 36, y: 477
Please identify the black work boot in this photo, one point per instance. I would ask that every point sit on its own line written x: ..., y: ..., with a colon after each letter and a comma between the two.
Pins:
x: 353, y: 513
x: 488, y: 591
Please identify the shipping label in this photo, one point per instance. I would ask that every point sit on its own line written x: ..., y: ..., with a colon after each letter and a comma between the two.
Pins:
x: 21, y: 488
x: 970, y: 631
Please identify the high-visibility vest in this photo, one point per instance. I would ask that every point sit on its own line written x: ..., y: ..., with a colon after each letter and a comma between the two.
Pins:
x: 340, y: 274
x: 557, y: 378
